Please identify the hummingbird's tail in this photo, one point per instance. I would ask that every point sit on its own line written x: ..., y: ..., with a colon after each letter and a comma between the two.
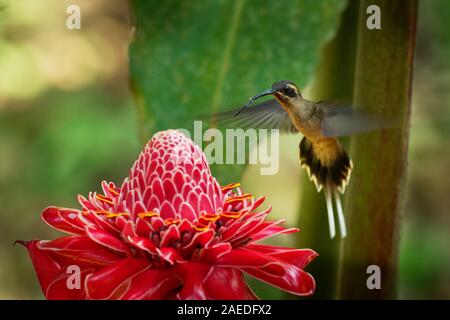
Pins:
x: 329, y: 167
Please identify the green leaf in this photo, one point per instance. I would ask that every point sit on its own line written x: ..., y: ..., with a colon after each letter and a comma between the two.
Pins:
x: 192, y: 58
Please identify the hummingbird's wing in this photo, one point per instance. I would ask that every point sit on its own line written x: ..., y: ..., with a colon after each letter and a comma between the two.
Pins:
x: 341, y: 121
x: 266, y: 115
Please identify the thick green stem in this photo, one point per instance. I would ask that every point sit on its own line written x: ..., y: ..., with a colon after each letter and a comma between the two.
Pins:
x: 374, y: 197
x: 333, y: 81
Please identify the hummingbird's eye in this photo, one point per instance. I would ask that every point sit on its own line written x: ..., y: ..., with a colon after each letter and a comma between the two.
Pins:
x: 289, y: 91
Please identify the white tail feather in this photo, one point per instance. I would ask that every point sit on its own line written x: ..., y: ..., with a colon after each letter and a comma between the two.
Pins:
x: 330, y: 212
x: 341, y: 218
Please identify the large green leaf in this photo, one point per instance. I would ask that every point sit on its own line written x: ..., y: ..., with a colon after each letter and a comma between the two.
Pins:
x: 192, y: 58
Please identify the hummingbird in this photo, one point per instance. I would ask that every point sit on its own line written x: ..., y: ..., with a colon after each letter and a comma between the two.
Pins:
x: 321, y: 123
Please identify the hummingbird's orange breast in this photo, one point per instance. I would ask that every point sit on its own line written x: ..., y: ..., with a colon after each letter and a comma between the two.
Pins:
x: 327, y: 150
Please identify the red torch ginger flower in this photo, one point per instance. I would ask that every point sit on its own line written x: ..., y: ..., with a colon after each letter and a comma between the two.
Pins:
x: 169, y: 232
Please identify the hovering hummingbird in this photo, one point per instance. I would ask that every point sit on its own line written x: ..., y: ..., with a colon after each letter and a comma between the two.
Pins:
x: 321, y: 154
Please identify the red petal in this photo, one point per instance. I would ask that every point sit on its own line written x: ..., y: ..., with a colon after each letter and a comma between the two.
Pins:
x: 156, y: 223
x: 231, y: 229
x: 170, y: 235
x: 114, y: 281
x: 246, y: 230
x: 47, y: 269
x: 169, y: 254
x: 79, y: 250
x: 153, y: 284
x: 201, y: 239
x: 109, y: 189
x: 178, y: 179
x: 107, y: 240
x: 86, y: 204
x: 270, y: 229
x: 294, y: 280
x: 202, y: 281
x: 158, y: 189
x: 143, y: 228
x: 185, y: 225
x: 231, y: 279
x: 211, y: 254
x: 120, y: 223
x: 257, y: 203
x: 272, y: 269
x: 128, y: 230
x: 242, y: 257
x: 298, y: 257
x: 170, y: 189
x: 205, y: 204
x: 101, y: 222
x: 193, y: 276
x: 167, y: 210
x: 65, y: 220
x: 186, y: 211
x: 143, y: 244
x: 59, y: 289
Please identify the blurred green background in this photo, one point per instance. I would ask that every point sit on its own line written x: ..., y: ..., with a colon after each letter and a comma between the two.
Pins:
x: 67, y: 121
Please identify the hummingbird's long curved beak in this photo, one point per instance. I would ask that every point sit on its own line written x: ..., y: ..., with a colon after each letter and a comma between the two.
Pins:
x: 262, y: 94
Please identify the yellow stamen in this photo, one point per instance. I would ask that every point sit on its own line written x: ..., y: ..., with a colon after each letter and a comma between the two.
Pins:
x: 231, y: 215
x: 114, y: 191
x: 230, y: 186
x: 170, y: 221
x: 113, y: 215
x: 148, y: 214
x: 107, y: 214
x: 210, y: 217
x: 102, y: 212
x: 239, y: 198
x: 200, y: 228
x: 104, y: 199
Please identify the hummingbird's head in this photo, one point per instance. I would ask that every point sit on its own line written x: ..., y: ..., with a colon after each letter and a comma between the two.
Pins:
x: 285, y: 91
